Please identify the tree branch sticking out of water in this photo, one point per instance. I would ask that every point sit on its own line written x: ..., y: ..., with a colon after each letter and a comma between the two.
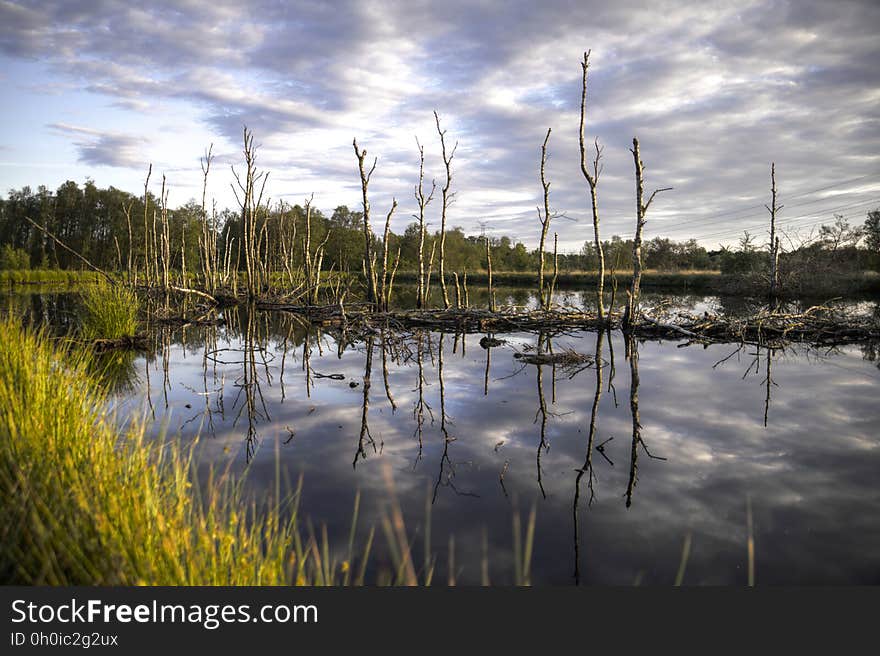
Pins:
x: 632, y: 297
x: 592, y: 180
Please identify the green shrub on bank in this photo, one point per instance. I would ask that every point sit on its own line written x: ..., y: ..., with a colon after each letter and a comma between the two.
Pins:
x: 84, y: 504
x: 109, y: 312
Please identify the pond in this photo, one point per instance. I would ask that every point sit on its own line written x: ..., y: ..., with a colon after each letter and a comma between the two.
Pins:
x: 730, y: 446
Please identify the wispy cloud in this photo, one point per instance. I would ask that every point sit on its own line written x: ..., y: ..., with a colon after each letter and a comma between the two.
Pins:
x: 104, y: 148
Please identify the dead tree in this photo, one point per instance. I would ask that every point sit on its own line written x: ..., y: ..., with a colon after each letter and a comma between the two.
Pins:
x: 132, y: 278
x: 632, y: 300
x: 147, y: 276
x: 422, y: 201
x: 489, y: 278
x: 774, y: 240
x: 249, y: 201
x: 368, y: 232
x: 447, y: 200
x: 592, y: 181
x: 385, y: 288
x: 164, y: 250
x: 208, y: 237
x: 545, y: 225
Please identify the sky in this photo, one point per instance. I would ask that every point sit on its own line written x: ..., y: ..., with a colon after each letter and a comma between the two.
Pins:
x: 715, y: 92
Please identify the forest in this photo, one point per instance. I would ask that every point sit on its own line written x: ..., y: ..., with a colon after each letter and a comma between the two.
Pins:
x: 96, y: 222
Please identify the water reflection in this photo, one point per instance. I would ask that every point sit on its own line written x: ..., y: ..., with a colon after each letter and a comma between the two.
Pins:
x: 618, y: 485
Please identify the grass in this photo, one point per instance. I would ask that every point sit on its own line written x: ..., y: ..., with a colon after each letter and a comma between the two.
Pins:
x: 109, y: 312
x: 13, y: 277
x: 87, y: 503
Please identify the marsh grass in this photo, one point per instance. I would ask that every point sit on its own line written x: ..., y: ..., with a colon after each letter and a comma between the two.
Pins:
x: 85, y: 502
x: 109, y: 312
x: 47, y: 277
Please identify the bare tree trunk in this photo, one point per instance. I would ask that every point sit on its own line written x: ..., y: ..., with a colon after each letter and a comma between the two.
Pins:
x: 146, y: 228
x: 208, y: 245
x: 592, y: 181
x: 447, y: 199
x: 774, y: 240
x: 430, y: 269
x: 489, y: 280
x: 307, y: 250
x: 127, y: 211
x: 632, y: 299
x: 250, y: 201
x: 368, y: 232
x: 422, y: 202
x: 383, y: 296
x: 545, y: 225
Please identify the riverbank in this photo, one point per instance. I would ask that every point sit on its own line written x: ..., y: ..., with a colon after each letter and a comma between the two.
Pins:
x: 85, y: 503
x: 707, y: 282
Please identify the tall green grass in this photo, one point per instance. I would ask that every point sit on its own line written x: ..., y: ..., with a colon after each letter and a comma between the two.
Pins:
x: 109, y: 312
x: 47, y: 277
x: 84, y: 504
x: 87, y: 503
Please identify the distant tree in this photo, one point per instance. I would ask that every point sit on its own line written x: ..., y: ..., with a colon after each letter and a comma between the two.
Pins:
x: 871, y: 231
x: 840, y: 234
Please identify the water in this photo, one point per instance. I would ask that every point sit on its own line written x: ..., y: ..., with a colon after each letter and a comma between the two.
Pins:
x: 492, y: 437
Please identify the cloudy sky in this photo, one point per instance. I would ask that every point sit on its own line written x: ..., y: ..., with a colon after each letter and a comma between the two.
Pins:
x: 715, y: 91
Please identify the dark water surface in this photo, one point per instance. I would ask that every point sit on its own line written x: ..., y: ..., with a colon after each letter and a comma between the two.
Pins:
x: 472, y: 436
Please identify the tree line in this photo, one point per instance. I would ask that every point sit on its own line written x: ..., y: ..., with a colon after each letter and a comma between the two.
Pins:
x: 94, y: 222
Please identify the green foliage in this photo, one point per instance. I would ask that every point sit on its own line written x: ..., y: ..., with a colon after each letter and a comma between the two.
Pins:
x: 16, y: 259
x: 86, y: 505
x: 110, y: 312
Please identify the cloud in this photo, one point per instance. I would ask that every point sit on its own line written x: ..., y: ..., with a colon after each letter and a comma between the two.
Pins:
x: 104, y: 148
x: 714, y: 92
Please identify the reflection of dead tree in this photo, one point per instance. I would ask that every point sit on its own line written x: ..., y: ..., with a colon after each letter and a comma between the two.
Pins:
x: 488, y: 365
x: 587, y: 467
x: 768, y: 381
x: 385, y: 347
x: 365, y: 435
x: 542, y: 445
x: 421, y: 405
x: 248, y: 384
x: 633, y: 352
x: 446, y: 480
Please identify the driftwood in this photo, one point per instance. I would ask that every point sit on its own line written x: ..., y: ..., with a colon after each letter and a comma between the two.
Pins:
x: 818, y: 325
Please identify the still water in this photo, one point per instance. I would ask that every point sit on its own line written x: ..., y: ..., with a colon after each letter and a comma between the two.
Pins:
x: 731, y: 442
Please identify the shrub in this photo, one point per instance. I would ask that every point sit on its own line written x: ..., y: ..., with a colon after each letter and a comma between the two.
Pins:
x: 110, y: 312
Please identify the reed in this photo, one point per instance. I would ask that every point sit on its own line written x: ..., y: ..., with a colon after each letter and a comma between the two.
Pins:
x: 110, y: 312
x: 86, y: 503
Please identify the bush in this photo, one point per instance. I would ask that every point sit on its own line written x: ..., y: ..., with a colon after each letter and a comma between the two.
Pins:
x: 14, y: 258
x: 110, y: 312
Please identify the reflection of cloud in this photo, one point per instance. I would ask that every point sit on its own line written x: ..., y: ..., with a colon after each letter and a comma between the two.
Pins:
x: 810, y: 475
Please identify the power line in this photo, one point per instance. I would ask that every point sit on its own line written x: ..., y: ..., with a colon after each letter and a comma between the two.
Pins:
x: 819, y: 216
x: 715, y: 216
